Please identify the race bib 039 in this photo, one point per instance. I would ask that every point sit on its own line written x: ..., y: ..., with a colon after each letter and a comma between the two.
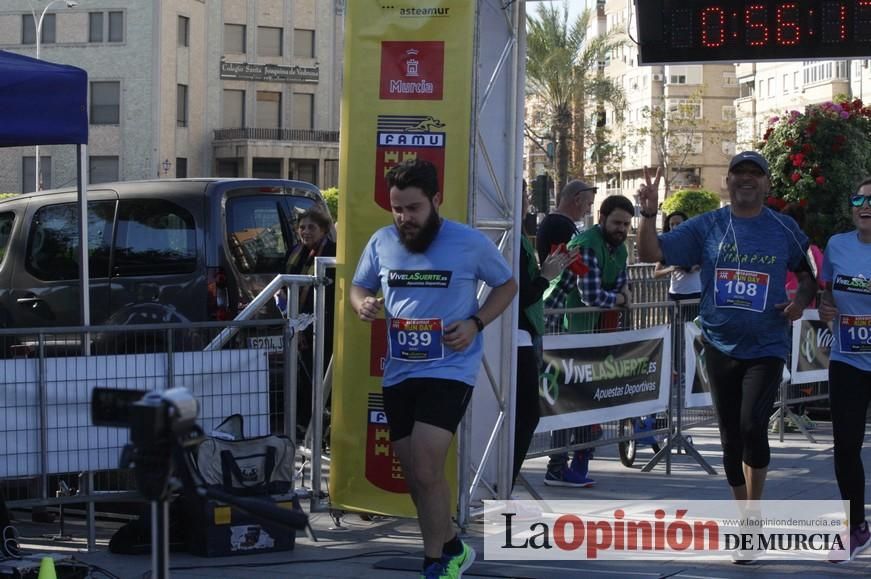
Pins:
x: 416, y: 340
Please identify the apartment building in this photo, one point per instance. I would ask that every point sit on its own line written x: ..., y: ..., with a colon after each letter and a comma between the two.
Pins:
x: 189, y: 88
x: 690, y: 107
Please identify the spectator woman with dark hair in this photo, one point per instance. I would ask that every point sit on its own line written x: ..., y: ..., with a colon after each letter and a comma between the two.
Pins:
x: 685, y: 283
x: 313, y: 228
x: 534, y: 280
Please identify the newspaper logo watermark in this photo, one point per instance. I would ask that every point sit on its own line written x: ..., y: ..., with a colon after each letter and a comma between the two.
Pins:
x: 700, y: 530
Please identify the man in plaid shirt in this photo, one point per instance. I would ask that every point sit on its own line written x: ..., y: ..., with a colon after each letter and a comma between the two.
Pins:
x: 604, y: 285
x: 599, y: 282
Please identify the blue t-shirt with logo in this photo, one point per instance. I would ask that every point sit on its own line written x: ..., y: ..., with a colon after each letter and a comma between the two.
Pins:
x: 847, y: 272
x: 426, y: 292
x: 738, y: 297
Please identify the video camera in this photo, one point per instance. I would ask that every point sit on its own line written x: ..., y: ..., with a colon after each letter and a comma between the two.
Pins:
x: 163, y: 429
x: 156, y: 421
x: 125, y: 408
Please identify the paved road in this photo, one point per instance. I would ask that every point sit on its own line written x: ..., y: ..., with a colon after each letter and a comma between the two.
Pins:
x: 800, y: 470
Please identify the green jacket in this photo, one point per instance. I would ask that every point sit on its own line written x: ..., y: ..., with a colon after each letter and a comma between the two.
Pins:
x: 610, y: 263
x: 535, y: 311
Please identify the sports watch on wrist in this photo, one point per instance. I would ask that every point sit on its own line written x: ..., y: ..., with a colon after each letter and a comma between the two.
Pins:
x: 478, y: 323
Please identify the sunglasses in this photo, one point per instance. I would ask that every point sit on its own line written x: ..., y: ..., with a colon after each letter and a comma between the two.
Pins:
x: 859, y: 200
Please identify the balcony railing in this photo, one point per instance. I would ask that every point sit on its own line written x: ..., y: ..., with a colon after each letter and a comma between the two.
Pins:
x: 251, y: 134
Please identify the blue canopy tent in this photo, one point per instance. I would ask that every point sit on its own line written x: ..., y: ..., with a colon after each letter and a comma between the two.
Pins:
x: 42, y: 103
x: 45, y: 103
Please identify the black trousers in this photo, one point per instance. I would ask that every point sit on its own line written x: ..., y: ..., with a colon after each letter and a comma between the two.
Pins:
x: 526, y: 404
x: 849, y: 395
x: 743, y: 392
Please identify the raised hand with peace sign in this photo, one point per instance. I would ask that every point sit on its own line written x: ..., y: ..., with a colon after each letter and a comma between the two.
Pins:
x: 648, y: 194
x: 648, y: 198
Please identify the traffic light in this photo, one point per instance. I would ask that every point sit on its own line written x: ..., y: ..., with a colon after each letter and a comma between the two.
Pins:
x: 541, y: 193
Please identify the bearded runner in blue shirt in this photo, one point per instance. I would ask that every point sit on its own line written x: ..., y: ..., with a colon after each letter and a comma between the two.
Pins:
x: 427, y: 270
x: 744, y: 251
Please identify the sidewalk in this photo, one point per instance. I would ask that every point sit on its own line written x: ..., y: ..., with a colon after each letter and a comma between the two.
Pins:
x: 384, y: 547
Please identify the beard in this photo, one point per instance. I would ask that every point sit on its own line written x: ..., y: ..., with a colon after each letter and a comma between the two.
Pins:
x: 417, y: 239
x: 614, y: 238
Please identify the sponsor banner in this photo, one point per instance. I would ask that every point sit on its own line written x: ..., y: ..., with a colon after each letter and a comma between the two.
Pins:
x: 411, y: 100
x: 697, y: 388
x: 593, y: 378
x: 665, y: 530
x: 811, y: 345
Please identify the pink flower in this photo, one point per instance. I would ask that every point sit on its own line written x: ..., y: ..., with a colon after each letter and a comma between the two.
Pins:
x: 796, y: 177
x: 820, y: 180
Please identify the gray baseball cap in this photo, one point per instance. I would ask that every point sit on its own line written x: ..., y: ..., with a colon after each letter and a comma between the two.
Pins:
x: 750, y: 157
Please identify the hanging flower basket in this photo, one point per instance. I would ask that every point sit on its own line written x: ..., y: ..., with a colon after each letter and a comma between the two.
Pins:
x: 817, y: 158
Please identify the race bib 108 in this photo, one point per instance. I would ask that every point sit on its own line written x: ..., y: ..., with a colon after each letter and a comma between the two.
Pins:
x: 745, y: 290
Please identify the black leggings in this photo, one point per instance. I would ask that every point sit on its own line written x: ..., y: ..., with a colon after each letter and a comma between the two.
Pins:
x: 526, y: 405
x: 743, y: 392
x: 849, y: 395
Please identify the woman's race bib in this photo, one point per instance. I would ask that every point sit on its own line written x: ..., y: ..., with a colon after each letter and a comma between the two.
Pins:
x: 416, y: 340
x: 741, y: 289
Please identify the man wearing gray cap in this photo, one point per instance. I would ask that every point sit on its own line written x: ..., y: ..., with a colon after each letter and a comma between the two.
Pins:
x: 744, y: 251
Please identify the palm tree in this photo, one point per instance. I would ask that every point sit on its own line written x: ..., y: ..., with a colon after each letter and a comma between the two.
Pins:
x: 563, y: 70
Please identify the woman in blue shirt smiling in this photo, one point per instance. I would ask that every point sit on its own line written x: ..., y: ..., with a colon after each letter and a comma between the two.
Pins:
x: 847, y: 302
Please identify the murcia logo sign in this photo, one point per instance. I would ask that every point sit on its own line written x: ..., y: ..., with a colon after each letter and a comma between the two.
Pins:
x: 405, y: 137
x: 412, y: 70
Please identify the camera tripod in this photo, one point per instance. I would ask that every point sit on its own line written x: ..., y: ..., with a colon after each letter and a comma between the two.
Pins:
x: 163, y: 431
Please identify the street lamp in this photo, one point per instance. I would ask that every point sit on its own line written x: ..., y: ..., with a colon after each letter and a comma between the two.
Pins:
x: 38, y: 22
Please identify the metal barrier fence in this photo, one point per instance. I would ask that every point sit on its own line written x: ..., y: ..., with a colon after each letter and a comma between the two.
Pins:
x: 51, y: 453
x: 645, y: 288
x: 47, y: 384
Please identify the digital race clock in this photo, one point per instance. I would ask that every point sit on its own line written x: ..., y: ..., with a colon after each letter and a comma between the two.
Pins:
x: 740, y: 30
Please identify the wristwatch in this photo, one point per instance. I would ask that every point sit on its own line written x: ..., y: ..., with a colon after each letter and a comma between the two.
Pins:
x: 648, y: 215
x: 478, y: 323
